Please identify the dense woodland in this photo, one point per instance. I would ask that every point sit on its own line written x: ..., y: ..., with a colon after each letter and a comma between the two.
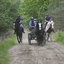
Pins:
x: 10, y: 9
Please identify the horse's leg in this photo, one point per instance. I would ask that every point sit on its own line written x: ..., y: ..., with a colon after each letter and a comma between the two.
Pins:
x: 45, y: 34
x: 48, y: 36
x: 51, y: 37
x: 38, y: 41
x: 17, y: 36
x: 20, y: 37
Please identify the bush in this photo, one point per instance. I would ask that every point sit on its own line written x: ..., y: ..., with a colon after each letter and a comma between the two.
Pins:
x: 8, y: 13
x: 59, y: 37
x: 4, y: 46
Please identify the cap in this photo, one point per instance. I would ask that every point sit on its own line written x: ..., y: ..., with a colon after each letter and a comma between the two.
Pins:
x: 32, y: 17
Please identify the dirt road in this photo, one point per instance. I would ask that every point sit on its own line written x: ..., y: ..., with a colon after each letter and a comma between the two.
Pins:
x: 51, y: 53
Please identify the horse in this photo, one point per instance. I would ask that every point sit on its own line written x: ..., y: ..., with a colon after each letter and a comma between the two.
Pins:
x: 40, y: 33
x: 18, y: 32
x: 49, y: 29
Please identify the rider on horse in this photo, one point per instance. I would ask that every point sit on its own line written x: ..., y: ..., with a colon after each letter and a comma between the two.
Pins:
x: 18, y: 20
x: 47, y: 19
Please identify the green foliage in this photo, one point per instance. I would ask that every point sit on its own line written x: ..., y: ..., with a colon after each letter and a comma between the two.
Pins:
x: 34, y: 7
x: 8, y: 13
x: 29, y: 8
x: 4, y: 46
x: 59, y: 37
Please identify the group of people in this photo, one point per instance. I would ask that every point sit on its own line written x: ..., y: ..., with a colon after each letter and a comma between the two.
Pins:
x: 33, y: 22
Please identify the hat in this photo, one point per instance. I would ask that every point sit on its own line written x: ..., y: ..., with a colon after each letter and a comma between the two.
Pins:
x: 32, y: 18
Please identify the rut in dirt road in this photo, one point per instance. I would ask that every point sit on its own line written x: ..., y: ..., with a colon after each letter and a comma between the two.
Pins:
x: 50, y: 53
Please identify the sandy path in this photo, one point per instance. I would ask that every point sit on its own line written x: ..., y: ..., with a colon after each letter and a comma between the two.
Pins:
x: 51, y: 53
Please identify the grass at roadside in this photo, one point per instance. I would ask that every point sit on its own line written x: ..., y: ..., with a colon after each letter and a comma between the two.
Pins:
x: 59, y: 37
x: 4, y: 46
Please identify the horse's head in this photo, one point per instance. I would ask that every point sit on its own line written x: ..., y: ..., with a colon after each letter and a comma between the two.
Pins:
x: 39, y: 25
x: 51, y: 24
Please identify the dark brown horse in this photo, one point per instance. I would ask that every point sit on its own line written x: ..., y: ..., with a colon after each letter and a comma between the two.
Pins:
x: 40, y: 33
x: 18, y: 32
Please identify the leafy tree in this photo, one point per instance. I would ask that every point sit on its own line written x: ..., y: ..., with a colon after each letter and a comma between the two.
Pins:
x: 34, y: 7
x: 8, y: 13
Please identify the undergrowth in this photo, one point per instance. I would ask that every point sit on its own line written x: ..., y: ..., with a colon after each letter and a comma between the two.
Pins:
x: 4, y: 46
x: 59, y: 37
